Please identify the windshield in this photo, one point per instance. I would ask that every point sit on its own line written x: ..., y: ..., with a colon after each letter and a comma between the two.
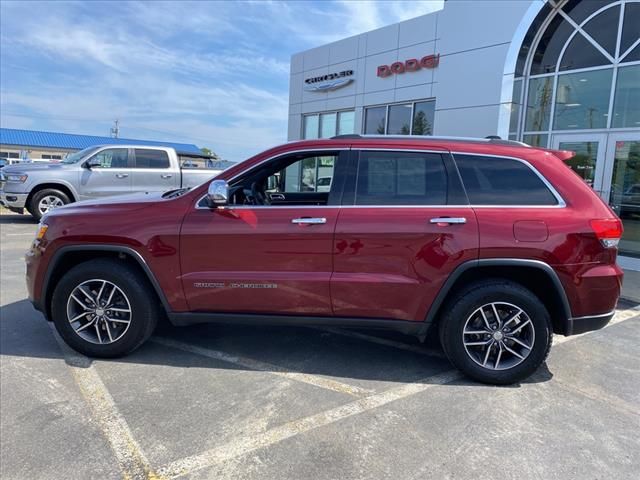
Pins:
x: 76, y: 157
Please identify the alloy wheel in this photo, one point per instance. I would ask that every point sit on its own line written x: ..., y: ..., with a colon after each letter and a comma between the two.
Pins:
x: 99, y: 311
x: 48, y: 203
x: 498, y: 336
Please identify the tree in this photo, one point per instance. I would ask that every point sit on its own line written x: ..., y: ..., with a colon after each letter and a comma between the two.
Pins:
x: 421, y: 125
x: 209, y: 152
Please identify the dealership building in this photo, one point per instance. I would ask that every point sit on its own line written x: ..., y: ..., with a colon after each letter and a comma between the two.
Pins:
x: 554, y: 73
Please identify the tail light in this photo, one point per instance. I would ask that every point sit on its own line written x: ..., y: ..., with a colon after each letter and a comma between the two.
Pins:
x: 608, y: 231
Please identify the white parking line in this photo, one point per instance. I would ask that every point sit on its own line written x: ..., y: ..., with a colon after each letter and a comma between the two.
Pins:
x: 243, y: 445
x: 315, y: 380
x: 130, y: 457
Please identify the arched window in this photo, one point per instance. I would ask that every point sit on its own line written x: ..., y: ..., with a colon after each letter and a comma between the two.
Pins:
x: 578, y: 69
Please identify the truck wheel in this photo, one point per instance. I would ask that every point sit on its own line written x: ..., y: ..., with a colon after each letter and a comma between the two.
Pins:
x: 496, y: 332
x: 103, y: 308
x: 46, y: 200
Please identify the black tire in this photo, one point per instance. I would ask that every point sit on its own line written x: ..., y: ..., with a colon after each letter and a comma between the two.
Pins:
x: 143, y: 318
x: 467, y: 302
x: 33, y: 206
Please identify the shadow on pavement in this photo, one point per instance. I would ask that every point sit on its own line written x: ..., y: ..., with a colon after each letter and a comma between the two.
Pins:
x: 25, y: 333
x: 17, y: 219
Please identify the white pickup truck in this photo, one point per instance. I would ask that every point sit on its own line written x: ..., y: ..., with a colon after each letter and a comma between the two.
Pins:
x: 100, y: 171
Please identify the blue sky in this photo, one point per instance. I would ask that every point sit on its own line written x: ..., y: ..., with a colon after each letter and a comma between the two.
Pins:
x: 211, y: 73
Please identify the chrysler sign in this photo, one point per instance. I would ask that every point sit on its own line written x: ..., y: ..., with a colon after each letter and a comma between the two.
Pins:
x: 332, y: 81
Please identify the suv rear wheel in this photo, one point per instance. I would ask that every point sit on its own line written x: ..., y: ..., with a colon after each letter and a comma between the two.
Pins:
x: 102, y: 308
x: 496, y: 332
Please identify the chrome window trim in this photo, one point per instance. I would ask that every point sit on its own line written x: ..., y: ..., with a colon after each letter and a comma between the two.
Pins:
x: 292, y: 152
x: 561, y: 203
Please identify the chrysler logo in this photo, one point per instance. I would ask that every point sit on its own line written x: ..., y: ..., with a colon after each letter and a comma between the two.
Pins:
x: 332, y: 81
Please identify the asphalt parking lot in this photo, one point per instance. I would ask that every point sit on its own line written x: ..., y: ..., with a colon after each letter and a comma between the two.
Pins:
x: 300, y: 403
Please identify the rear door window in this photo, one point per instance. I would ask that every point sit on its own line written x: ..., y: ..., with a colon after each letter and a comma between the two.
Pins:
x: 502, y: 181
x: 147, y: 158
x: 401, y: 178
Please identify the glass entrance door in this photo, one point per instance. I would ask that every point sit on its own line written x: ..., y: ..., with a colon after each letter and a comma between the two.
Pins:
x: 622, y: 188
x: 589, y: 161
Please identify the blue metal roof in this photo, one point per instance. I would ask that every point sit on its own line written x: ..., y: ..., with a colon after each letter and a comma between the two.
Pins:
x: 32, y: 138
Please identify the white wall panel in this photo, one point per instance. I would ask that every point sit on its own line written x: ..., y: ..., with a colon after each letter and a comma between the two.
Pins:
x: 468, y: 24
x: 417, y: 92
x: 424, y: 75
x: 343, y: 50
x: 417, y: 30
x: 296, y: 81
x: 470, y: 78
x: 382, y: 39
x: 297, y: 62
x: 316, y: 57
x: 374, y: 83
x: 467, y: 122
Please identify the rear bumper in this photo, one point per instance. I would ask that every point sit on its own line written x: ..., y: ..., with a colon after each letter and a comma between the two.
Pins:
x: 578, y: 325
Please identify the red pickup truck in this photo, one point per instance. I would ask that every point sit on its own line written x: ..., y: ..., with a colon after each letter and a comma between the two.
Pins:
x: 491, y: 244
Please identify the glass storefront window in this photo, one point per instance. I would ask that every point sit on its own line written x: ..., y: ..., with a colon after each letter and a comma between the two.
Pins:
x: 581, y: 54
x: 346, y: 122
x: 548, y: 50
x: 625, y: 194
x: 582, y: 100
x: 327, y: 125
x: 375, y: 120
x: 584, y: 162
x: 423, y: 117
x: 630, y: 27
x: 626, y: 107
x: 539, y: 103
x: 536, y: 139
x: 604, y: 28
x: 311, y: 123
x: 399, y: 120
x: 515, y: 106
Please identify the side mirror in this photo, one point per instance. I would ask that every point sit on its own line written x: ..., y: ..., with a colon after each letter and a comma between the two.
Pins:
x: 92, y: 162
x: 218, y: 193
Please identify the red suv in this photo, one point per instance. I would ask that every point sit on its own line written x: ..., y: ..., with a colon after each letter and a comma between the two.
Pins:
x: 493, y: 244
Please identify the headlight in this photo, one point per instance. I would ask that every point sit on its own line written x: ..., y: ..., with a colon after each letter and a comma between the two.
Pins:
x: 16, y: 177
x: 42, y: 229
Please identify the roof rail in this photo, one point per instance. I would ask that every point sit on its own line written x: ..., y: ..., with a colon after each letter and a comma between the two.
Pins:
x: 490, y: 139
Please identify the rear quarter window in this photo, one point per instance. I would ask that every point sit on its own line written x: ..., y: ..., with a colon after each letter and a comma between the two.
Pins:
x: 502, y: 181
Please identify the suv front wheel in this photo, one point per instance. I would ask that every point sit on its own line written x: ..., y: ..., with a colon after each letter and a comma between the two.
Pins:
x: 496, y: 332
x: 103, y: 308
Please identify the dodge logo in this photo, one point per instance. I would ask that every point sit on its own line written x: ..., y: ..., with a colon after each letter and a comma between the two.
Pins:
x: 411, y: 65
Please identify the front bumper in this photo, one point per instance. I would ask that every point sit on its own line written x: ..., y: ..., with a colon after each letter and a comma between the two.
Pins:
x: 578, y: 325
x: 13, y: 200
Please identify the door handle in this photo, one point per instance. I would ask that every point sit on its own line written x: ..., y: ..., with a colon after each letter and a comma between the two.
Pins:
x: 309, y: 221
x: 276, y: 196
x: 122, y: 175
x: 448, y: 220
x: 166, y: 175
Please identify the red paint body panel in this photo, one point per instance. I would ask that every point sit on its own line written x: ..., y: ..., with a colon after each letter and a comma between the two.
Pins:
x: 261, y: 248
x: 391, y: 262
